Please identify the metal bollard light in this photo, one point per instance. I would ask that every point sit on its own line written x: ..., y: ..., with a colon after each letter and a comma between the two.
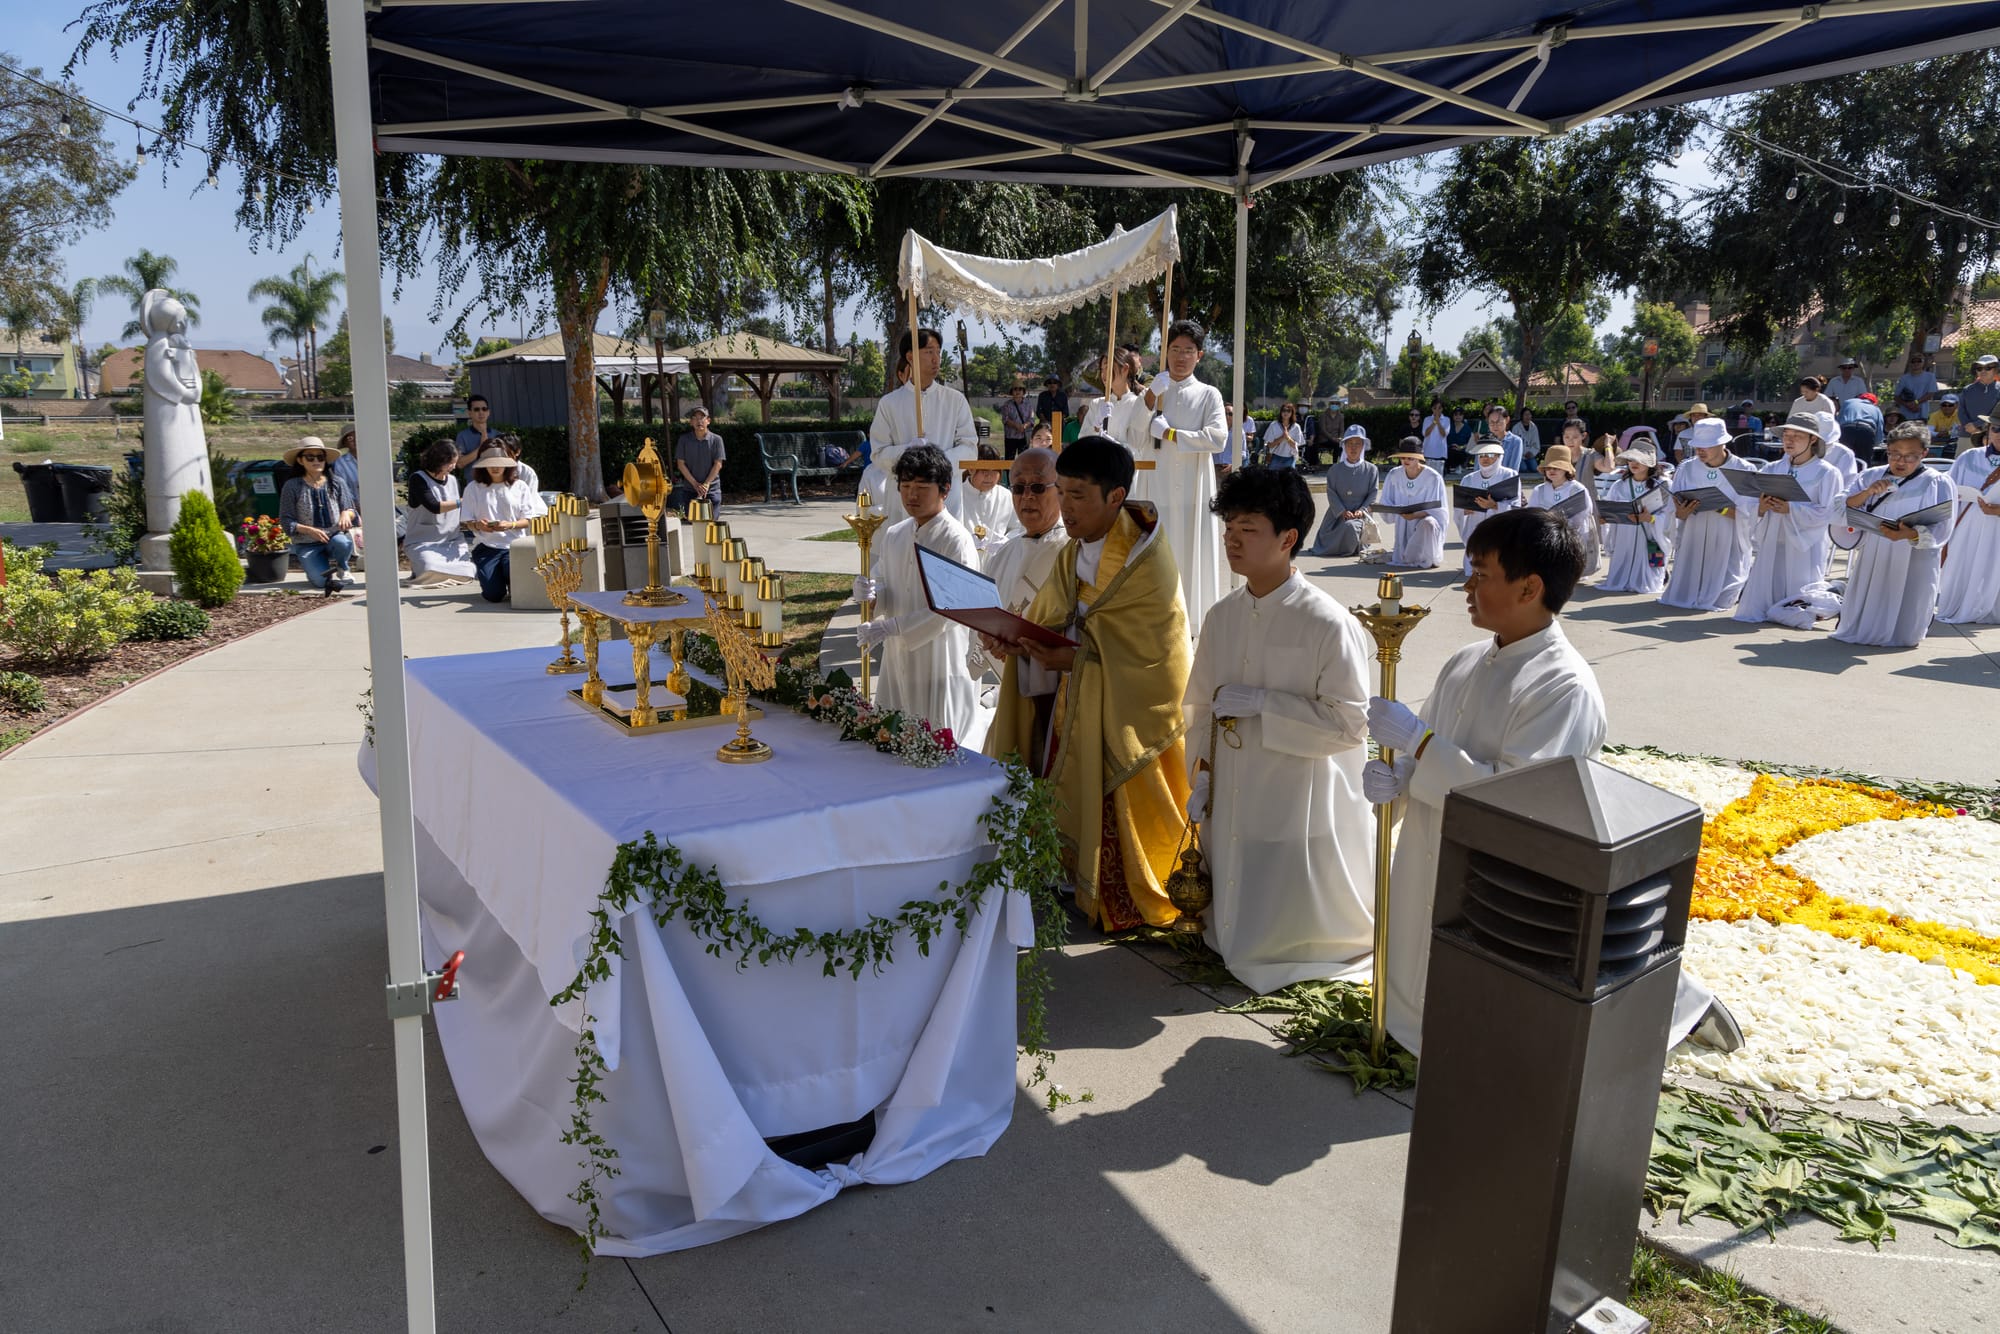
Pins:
x: 1562, y: 905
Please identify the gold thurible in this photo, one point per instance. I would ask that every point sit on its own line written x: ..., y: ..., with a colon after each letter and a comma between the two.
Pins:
x: 1389, y: 622
x: 864, y: 523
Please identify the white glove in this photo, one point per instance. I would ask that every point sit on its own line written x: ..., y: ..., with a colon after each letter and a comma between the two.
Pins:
x: 865, y: 589
x: 1239, y: 701
x: 1382, y: 783
x: 1160, y: 427
x: 870, y: 633
x: 1161, y: 383
x: 1198, y: 796
x: 1395, y: 726
x: 976, y: 662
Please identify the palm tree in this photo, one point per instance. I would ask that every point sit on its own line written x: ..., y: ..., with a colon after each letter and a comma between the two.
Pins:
x: 300, y: 303
x: 22, y: 310
x: 144, y: 272
x: 72, y: 307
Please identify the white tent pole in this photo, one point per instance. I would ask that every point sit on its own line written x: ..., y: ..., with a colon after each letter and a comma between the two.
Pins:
x: 362, y: 249
x: 1242, y: 299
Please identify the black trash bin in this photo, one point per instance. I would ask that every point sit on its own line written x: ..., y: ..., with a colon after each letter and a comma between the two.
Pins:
x: 45, y: 497
x: 83, y: 489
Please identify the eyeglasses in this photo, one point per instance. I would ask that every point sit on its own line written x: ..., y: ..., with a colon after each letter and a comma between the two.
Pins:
x: 312, y: 458
x: 1031, y: 488
x: 1907, y: 455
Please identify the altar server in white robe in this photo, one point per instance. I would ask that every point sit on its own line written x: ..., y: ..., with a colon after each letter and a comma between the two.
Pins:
x: 1969, y: 592
x: 1558, y: 485
x: 1288, y: 838
x: 1636, y: 553
x: 986, y: 509
x: 1418, y: 536
x: 1488, y: 469
x: 947, y: 424
x: 923, y: 654
x: 1188, y: 429
x: 1711, y: 547
x: 1122, y: 415
x: 1892, y: 580
x: 1520, y: 695
x: 1790, y: 544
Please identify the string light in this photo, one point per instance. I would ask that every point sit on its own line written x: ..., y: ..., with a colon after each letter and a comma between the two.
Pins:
x: 212, y: 182
x: 1896, y: 216
x: 63, y: 125
x: 1792, y: 190
x: 1840, y: 211
x: 139, y: 151
x: 1930, y: 231
x: 1962, y: 243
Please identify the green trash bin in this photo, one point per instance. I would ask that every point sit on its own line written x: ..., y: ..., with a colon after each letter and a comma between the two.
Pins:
x: 265, y: 481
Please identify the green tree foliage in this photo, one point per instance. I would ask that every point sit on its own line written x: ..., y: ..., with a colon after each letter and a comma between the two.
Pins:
x: 69, y: 307
x: 1432, y: 365
x: 1659, y: 322
x: 1931, y: 129
x: 866, y: 372
x: 218, y: 405
x: 52, y: 188
x: 1974, y: 344
x: 1490, y: 338
x: 144, y: 272
x: 204, y: 560
x: 1547, y: 223
x: 336, y: 372
x: 301, y: 301
x: 1987, y: 286
x: 23, y: 310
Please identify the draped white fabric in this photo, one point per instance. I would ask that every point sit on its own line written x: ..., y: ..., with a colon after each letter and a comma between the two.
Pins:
x: 521, y: 799
x: 1033, y: 290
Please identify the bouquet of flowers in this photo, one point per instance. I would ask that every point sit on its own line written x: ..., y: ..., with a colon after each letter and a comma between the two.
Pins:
x: 261, y: 534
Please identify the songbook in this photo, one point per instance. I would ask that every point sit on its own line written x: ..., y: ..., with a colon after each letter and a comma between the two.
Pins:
x: 1570, y: 507
x: 962, y: 594
x: 1707, y: 498
x: 1415, y: 507
x: 1466, y: 497
x: 1778, y: 485
x: 1929, y: 517
x: 1620, y: 511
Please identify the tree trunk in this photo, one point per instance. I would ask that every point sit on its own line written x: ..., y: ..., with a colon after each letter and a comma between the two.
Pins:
x: 312, y: 359
x: 1529, y: 343
x: 832, y: 344
x: 579, y: 301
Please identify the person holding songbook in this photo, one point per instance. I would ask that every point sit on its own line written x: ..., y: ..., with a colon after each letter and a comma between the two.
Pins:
x: 1563, y: 495
x: 1492, y: 486
x: 1892, y: 580
x: 1288, y: 838
x: 1352, y: 485
x: 1637, y: 518
x: 923, y: 654
x: 1520, y: 694
x: 1712, y: 536
x: 1116, y: 758
x: 1969, y: 593
x: 1413, y: 501
x: 1789, y: 544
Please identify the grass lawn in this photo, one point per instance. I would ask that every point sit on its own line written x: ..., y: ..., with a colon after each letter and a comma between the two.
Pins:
x: 105, y: 443
x: 1708, y: 1302
x: 844, y: 535
x: 810, y: 602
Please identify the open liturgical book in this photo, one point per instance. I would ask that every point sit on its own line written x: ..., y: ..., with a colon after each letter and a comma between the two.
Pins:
x: 1777, y: 485
x: 1707, y: 499
x: 1405, y: 511
x: 959, y: 593
x: 1466, y: 497
x: 1929, y: 517
x: 1572, y: 506
x: 1628, y: 511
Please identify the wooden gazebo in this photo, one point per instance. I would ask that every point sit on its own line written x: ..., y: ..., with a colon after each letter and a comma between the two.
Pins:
x: 759, y: 362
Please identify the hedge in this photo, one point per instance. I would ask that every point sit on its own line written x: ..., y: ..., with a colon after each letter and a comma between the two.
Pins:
x: 546, y: 448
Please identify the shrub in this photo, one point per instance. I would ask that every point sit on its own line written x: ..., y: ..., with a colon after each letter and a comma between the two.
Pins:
x: 69, y: 617
x: 23, y: 692
x: 125, y: 518
x: 168, y: 619
x: 204, y: 559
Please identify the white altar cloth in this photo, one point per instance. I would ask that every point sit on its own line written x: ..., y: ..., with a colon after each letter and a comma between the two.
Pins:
x: 521, y: 799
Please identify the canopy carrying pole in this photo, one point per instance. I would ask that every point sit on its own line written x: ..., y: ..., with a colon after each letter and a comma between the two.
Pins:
x: 1236, y: 349
x: 917, y: 385
x: 360, y: 241
x: 1110, y: 348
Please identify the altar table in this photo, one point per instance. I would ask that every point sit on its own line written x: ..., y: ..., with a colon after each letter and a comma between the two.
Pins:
x: 521, y: 799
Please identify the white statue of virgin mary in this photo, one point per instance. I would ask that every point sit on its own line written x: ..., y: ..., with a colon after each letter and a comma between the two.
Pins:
x: 176, y: 445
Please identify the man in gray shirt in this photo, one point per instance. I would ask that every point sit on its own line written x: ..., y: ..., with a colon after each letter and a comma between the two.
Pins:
x: 698, y: 458
x: 476, y: 436
x: 1981, y: 398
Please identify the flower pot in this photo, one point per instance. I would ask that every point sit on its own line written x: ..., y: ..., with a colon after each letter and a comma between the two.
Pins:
x: 268, y: 567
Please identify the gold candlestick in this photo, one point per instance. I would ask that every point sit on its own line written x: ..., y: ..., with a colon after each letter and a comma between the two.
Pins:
x: 864, y: 525
x: 562, y: 574
x: 646, y: 487
x: 1390, y: 622
x: 747, y: 668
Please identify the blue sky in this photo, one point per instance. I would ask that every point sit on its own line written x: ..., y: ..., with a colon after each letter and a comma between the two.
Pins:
x: 170, y: 210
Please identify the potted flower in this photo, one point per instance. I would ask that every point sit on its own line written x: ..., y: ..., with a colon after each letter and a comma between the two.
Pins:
x: 267, y: 548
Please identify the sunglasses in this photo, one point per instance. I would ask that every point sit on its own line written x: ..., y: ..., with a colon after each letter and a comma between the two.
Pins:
x: 1031, y: 488
x: 312, y: 458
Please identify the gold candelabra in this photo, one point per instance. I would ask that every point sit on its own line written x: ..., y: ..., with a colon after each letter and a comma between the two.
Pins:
x: 864, y: 523
x: 748, y: 668
x: 646, y: 487
x: 560, y: 552
x: 1389, y: 622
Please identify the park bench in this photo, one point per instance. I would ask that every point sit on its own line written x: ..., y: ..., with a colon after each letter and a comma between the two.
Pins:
x: 794, y: 454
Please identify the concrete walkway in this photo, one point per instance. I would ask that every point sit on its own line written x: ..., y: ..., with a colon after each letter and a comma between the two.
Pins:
x: 200, y: 1100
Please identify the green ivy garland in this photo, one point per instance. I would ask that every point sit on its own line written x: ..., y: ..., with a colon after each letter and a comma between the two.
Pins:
x: 647, y: 872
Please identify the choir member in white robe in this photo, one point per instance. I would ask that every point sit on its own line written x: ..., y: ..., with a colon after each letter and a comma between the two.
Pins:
x: 1122, y: 414
x: 1636, y: 553
x: 1892, y: 580
x: 1558, y: 485
x: 1419, y: 536
x: 1488, y: 468
x: 1521, y: 695
x: 1840, y: 457
x: 1288, y: 838
x: 1790, y: 544
x: 1188, y: 429
x: 1352, y: 485
x: 923, y: 655
x: 1969, y: 592
x: 1711, y: 547
x: 986, y: 508
x: 947, y: 425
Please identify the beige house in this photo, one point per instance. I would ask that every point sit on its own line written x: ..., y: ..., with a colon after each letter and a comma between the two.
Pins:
x: 243, y: 373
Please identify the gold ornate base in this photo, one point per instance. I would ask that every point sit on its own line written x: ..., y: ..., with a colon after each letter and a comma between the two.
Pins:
x: 669, y: 709
x: 654, y: 597
x: 564, y: 665
x: 1189, y: 924
x: 744, y: 751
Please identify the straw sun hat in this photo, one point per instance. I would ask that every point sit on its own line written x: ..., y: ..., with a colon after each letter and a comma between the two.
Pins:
x: 310, y: 442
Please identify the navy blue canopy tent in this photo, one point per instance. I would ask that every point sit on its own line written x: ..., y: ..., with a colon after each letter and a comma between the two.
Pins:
x: 1230, y: 95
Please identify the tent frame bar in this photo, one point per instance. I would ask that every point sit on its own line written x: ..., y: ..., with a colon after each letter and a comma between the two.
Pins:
x: 1727, y: 54
x: 1020, y: 35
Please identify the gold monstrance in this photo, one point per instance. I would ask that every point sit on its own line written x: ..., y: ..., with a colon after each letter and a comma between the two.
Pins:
x: 646, y: 487
x: 864, y: 523
x: 1390, y: 622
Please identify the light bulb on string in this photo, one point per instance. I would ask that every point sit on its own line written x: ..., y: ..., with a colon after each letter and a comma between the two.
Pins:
x: 63, y: 126
x: 258, y: 193
x: 1930, y: 230
x: 139, y: 153
x: 212, y: 182
x: 1792, y: 190
x: 309, y: 205
x: 1896, y: 216
x: 1962, y: 244
x: 1840, y: 211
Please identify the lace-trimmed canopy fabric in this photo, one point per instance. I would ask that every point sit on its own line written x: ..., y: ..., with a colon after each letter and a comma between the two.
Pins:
x: 1032, y: 290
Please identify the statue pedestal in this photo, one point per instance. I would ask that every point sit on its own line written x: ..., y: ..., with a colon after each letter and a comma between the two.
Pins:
x: 156, y: 567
